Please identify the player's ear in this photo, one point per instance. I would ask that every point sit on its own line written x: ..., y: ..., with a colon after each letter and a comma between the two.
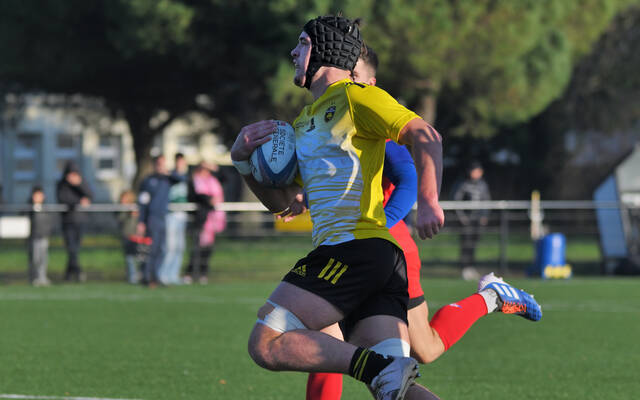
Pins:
x: 372, y: 81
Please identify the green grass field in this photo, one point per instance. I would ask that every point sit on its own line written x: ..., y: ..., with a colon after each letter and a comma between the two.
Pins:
x: 113, y: 340
x: 265, y: 257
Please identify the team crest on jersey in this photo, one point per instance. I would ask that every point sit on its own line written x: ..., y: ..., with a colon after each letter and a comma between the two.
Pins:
x: 328, y: 115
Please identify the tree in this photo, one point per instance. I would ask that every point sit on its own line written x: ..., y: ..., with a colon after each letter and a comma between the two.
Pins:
x: 480, y: 64
x: 489, y: 63
x: 148, y: 58
x: 473, y: 66
x: 600, y: 110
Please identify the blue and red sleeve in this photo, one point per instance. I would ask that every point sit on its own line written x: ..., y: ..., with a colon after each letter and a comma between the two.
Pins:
x: 401, y: 171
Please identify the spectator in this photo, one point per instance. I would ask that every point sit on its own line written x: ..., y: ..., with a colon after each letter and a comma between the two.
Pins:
x: 153, y: 202
x: 127, y: 220
x: 73, y: 192
x: 41, y: 226
x: 176, y: 224
x: 474, y: 188
x: 206, y: 191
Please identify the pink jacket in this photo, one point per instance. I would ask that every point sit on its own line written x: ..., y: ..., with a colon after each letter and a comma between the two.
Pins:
x: 216, y: 219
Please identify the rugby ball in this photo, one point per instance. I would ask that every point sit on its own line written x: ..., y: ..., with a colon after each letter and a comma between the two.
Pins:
x: 274, y: 163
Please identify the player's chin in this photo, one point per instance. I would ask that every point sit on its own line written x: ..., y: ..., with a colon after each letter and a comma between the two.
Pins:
x: 299, y: 80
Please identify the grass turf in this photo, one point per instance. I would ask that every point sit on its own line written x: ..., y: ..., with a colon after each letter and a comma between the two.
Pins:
x: 268, y: 257
x: 189, y: 342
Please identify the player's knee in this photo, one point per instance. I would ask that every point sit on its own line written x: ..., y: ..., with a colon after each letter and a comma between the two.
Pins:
x: 259, y: 348
x: 264, y: 347
x: 278, y: 318
x: 424, y: 356
x: 426, y: 349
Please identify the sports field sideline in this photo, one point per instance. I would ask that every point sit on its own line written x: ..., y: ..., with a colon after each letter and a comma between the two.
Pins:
x: 114, y: 341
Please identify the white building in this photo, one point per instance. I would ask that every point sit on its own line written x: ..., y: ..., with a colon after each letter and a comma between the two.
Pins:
x: 39, y: 133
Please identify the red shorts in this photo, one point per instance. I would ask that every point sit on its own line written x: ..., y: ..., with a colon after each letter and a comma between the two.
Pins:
x: 401, y: 233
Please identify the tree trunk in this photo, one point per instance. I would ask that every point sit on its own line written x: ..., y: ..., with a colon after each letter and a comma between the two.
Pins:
x: 142, y: 134
x: 428, y: 100
x: 427, y: 107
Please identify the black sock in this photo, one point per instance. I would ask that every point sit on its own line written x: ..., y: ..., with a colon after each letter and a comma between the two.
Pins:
x: 366, y: 364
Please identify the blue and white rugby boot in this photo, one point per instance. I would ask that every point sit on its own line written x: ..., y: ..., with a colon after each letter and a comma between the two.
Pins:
x: 393, y: 381
x: 510, y: 299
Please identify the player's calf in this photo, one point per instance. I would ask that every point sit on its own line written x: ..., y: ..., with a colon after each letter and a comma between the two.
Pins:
x: 385, y: 368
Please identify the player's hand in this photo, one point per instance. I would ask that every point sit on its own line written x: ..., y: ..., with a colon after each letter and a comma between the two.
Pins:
x: 430, y: 219
x: 250, y: 137
x: 297, y: 207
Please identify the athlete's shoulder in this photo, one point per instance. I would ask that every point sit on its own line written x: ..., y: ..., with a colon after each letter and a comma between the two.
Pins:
x: 358, y: 87
x: 361, y: 92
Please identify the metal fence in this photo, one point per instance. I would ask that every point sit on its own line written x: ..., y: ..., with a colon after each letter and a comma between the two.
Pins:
x: 506, y: 242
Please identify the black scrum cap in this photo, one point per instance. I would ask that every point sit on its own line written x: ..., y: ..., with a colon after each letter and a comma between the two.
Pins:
x: 335, y: 42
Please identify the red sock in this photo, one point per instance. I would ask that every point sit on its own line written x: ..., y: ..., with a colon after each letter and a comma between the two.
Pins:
x: 454, y: 320
x: 324, y: 386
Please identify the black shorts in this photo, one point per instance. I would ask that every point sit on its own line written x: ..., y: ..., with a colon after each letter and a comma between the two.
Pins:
x: 362, y: 278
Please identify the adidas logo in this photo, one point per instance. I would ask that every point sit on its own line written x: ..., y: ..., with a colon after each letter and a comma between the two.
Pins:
x: 300, y: 270
x: 505, y: 290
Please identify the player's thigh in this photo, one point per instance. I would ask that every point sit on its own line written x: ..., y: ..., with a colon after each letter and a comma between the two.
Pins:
x: 312, y: 310
x: 372, y: 330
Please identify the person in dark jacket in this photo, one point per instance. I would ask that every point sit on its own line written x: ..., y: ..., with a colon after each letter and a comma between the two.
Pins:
x: 41, y: 227
x: 153, y: 205
x: 73, y: 192
x: 474, y: 188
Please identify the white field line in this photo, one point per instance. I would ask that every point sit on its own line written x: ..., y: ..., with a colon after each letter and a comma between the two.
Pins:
x: 26, y: 396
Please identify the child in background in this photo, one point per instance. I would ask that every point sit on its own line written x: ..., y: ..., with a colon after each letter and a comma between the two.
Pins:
x: 128, y: 221
x: 41, y: 225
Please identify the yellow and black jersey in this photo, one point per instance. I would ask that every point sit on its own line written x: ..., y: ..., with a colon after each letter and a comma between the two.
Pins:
x: 340, y: 145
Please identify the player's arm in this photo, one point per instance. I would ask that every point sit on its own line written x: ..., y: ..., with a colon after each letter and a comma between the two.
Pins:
x: 401, y: 171
x: 426, y: 145
x: 251, y: 136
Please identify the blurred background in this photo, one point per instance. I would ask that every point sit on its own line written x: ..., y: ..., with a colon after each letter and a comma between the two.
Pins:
x: 544, y: 94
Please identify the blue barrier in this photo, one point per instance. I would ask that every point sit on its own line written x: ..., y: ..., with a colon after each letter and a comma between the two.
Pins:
x: 550, y: 257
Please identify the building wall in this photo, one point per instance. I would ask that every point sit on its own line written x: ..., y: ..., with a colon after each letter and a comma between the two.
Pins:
x: 35, y: 146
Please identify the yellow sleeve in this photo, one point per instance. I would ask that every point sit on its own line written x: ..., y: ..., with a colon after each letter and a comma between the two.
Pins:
x: 375, y: 113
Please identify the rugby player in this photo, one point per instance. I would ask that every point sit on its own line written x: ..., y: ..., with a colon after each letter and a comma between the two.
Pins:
x: 428, y: 340
x: 356, y: 272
